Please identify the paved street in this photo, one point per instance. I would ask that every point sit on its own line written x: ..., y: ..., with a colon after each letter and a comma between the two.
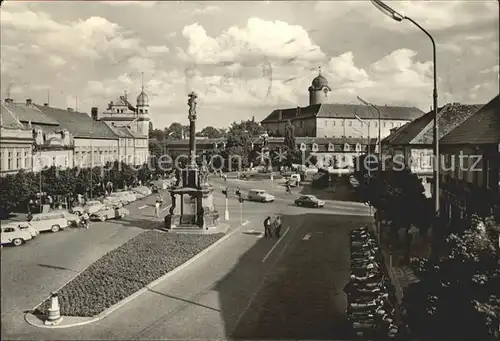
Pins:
x: 249, y: 287
x: 44, y: 264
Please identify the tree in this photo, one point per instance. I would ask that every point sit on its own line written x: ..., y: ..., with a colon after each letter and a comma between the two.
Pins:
x: 211, y: 132
x: 177, y: 131
x: 150, y: 128
x: 458, y: 297
x: 290, y: 143
x: 238, y: 147
x: 251, y: 127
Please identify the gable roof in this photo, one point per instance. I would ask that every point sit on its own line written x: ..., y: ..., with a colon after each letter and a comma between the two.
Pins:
x: 8, y: 119
x: 78, y: 124
x: 449, y: 117
x: 406, y: 133
x: 344, y: 111
x: 29, y: 113
x: 483, y: 127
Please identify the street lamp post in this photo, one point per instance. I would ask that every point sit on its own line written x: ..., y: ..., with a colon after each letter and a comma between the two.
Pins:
x: 379, y: 126
x: 399, y: 17
x: 91, y: 161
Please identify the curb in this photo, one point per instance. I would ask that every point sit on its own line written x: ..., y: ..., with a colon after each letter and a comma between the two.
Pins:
x: 29, y: 317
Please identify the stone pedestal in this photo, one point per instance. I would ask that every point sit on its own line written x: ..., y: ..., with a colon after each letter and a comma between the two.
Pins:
x: 192, y: 208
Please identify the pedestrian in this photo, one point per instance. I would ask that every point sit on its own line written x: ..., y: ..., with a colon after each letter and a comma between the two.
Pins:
x: 277, y: 227
x: 267, y: 227
x: 86, y: 219
x: 157, y: 209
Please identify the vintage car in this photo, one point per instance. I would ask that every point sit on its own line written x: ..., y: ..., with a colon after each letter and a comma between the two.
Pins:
x: 13, y: 234
x: 260, y: 195
x: 309, y: 201
x: 112, y: 201
x: 89, y: 207
x: 110, y: 212
x: 124, y: 197
x: 141, y: 191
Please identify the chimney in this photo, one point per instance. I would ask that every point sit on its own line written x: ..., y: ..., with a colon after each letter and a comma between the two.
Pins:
x: 29, y: 101
x: 94, y: 113
x: 298, y: 111
x: 9, y: 101
x: 45, y: 104
x: 69, y: 109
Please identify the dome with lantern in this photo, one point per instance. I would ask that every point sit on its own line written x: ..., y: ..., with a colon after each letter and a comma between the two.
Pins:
x: 319, y: 81
x: 142, y: 99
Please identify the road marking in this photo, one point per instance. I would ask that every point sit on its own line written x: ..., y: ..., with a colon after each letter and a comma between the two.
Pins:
x: 254, y: 295
x: 275, y: 245
x: 307, y: 237
x: 167, y: 207
x: 143, y: 206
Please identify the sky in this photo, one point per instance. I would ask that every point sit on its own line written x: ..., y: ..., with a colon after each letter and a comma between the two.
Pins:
x: 245, y: 59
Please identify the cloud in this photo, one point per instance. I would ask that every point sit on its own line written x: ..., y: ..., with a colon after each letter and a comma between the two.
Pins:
x: 157, y: 49
x: 494, y: 69
x: 123, y: 3
x: 207, y: 10
x: 259, y: 40
x: 432, y: 15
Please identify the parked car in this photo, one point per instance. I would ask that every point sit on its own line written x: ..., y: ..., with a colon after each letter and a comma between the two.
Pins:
x: 295, y: 180
x: 124, y: 197
x: 260, y: 195
x: 25, y: 226
x: 13, y: 234
x: 133, y: 197
x: 112, y: 201
x: 72, y: 218
x: 141, y: 192
x: 110, y: 213
x: 309, y: 201
x: 90, y: 207
x: 49, y: 221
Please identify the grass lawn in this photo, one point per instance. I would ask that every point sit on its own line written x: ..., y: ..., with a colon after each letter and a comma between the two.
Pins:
x: 125, y: 270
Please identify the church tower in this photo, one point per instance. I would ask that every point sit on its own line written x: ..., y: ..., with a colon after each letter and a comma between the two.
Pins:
x: 143, y: 111
x: 319, y: 89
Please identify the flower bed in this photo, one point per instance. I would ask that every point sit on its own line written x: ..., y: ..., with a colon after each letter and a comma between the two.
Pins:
x: 127, y: 269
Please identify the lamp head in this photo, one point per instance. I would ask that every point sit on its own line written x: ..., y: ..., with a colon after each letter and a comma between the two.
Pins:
x: 387, y: 10
x: 362, y: 100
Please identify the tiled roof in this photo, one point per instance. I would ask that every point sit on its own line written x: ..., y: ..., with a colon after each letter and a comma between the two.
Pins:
x: 345, y: 111
x: 121, y: 131
x: 29, y: 113
x: 198, y: 141
x: 449, y: 117
x: 78, y: 124
x: 483, y: 127
x: 9, y: 120
x: 406, y: 133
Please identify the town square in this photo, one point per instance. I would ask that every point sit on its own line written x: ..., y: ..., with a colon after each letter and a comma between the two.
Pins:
x: 258, y: 170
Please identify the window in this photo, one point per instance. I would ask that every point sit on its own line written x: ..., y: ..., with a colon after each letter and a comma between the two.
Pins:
x: 8, y: 229
x: 384, y: 124
x: 376, y: 124
x: 18, y: 159
x: 392, y: 125
x: 326, y: 123
x: 141, y: 111
x: 10, y: 161
x: 146, y: 111
x: 334, y: 123
x: 65, y: 161
x: 350, y: 123
x: 54, y: 161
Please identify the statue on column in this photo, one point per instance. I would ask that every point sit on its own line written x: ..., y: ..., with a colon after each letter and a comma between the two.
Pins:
x: 192, y: 105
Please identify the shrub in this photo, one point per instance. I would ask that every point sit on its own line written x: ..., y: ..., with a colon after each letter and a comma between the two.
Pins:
x: 125, y: 270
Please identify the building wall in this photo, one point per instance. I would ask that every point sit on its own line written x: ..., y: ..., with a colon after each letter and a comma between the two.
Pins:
x: 104, y: 150
x: 62, y: 158
x: 16, y: 150
x: 341, y: 127
x: 335, y: 127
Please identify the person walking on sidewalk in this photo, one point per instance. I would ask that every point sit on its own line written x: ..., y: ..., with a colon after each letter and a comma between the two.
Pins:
x: 267, y: 227
x: 277, y: 227
x: 157, y: 208
x: 86, y: 219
